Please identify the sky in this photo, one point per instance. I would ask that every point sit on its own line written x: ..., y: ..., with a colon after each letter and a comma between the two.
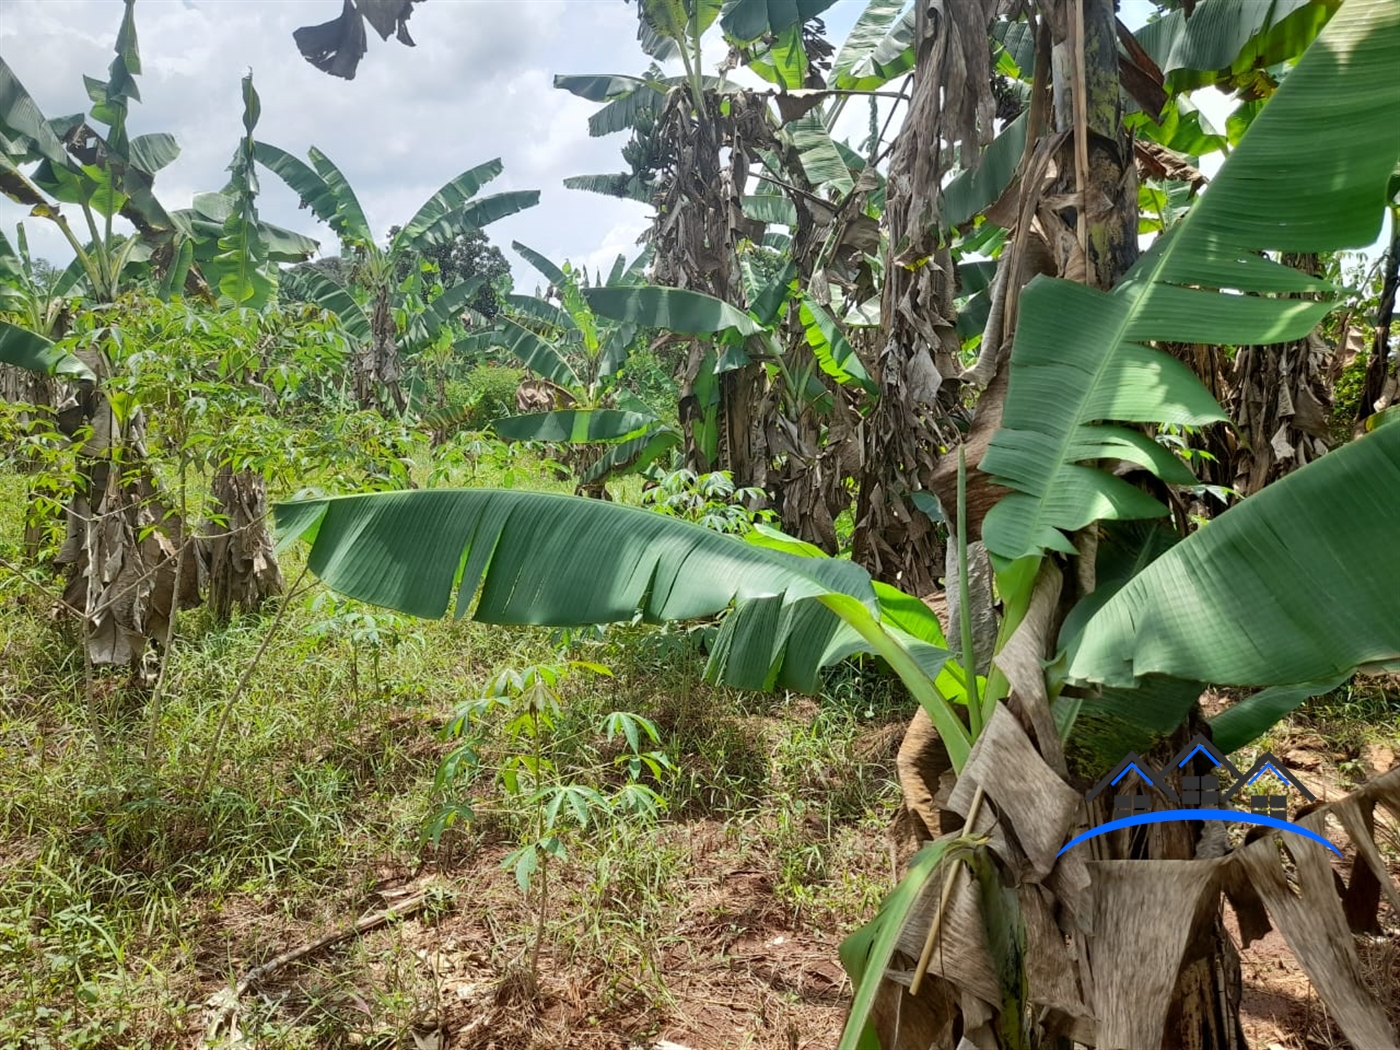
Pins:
x: 478, y: 85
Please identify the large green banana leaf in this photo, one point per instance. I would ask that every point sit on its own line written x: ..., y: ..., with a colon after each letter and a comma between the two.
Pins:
x: 820, y: 159
x: 865, y: 36
x: 475, y: 214
x: 597, y: 87
x: 328, y: 295
x: 614, y: 184
x: 552, y: 273
x: 830, y: 347
x: 347, y: 206
x: 1222, y: 39
x: 674, y: 309
x: 535, y: 353
x: 1309, y: 175
x: 1297, y: 584
x: 424, y: 326
x: 542, y: 558
x: 455, y: 193
x: 575, y: 426
x: 620, y: 114
x: 25, y: 349
x: 535, y: 309
x: 315, y: 192
x: 150, y: 153
x: 879, y: 48
x: 974, y: 190
x: 747, y: 20
x: 634, y: 454
x: 771, y: 208
x: 23, y: 125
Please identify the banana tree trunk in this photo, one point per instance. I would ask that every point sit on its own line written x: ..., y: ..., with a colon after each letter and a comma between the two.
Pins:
x: 377, y: 365
x: 242, y: 565
x: 895, y: 540
x: 1281, y: 404
x: 122, y: 542
x: 699, y: 218
x: 1086, y: 217
x: 1381, y: 389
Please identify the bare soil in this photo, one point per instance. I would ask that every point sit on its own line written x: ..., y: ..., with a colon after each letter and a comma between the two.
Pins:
x: 733, y: 966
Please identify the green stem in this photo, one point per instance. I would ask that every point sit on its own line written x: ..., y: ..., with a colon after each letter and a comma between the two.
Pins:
x: 698, y: 87
x: 57, y: 218
x: 103, y: 288
x: 920, y: 685
x: 969, y: 658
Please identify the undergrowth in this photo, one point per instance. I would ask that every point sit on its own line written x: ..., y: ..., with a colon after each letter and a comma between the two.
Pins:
x: 129, y: 894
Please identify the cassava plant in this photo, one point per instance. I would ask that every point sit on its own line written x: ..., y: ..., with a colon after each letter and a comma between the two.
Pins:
x: 552, y: 799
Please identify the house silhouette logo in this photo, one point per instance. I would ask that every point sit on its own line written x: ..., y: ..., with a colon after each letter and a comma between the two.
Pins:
x: 1139, y: 792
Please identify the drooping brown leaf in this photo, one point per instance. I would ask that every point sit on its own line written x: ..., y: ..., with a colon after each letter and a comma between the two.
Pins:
x: 1145, y: 915
x: 242, y: 565
x: 1032, y: 802
x: 336, y: 47
x: 1311, y: 919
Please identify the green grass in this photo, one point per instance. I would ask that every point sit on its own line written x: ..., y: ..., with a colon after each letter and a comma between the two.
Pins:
x: 128, y: 894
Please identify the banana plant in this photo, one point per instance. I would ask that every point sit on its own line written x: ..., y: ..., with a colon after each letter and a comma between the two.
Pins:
x: 1269, y: 594
x: 38, y: 301
x: 581, y: 360
x: 237, y: 253
x: 369, y: 316
x: 104, y: 175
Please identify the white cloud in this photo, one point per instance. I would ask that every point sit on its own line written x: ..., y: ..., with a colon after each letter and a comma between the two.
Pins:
x: 478, y: 85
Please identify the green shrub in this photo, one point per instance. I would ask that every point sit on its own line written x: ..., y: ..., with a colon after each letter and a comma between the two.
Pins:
x: 485, y: 395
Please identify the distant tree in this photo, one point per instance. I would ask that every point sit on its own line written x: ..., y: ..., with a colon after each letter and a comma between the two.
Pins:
x: 470, y: 254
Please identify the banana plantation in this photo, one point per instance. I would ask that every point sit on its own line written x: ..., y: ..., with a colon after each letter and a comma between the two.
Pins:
x: 938, y: 588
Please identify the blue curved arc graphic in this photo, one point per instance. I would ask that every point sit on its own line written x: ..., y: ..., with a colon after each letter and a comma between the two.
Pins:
x: 1227, y: 815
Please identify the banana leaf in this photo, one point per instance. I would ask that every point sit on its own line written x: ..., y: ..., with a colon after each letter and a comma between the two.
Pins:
x: 328, y: 295
x: 833, y: 352
x: 476, y: 214
x: 747, y: 20
x: 537, y: 354
x: 874, y: 23
x: 31, y: 351
x: 598, y: 87
x: 1294, y: 585
x: 883, y: 49
x: 818, y: 155
x: 348, y: 210
x: 674, y: 309
x: 542, y: 558
x: 1223, y: 40
x: 314, y: 191
x: 574, y: 426
x: 866, y: 954
x: 634, y: 454
x: 1308, y: 176
x: 453, y: 195
x: 622, y: 184
x: 533, y: 308
x: 552, y: 273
